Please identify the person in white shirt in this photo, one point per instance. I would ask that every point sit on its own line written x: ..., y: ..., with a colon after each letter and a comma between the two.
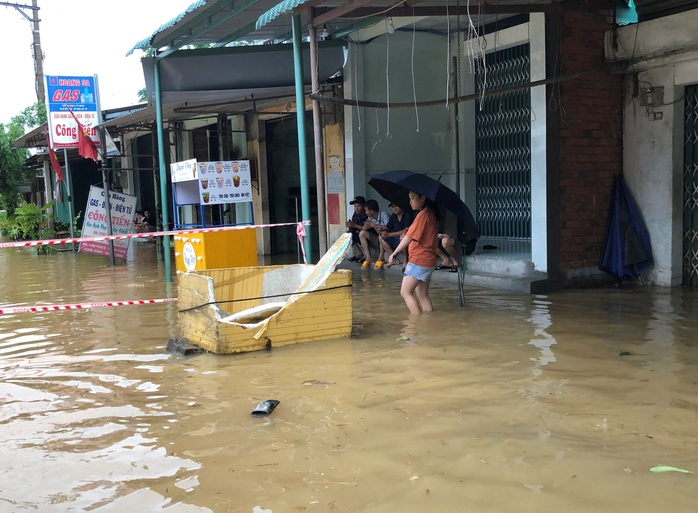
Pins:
x: 377, y: 221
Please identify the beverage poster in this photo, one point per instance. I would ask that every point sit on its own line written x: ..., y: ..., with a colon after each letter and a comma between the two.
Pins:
x: 225, y: 182
x: 123, y: 207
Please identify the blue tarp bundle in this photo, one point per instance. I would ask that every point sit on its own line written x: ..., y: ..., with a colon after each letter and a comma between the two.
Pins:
x: 628, y: 250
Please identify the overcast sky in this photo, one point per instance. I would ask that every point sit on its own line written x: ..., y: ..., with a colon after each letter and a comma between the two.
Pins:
x: 79, y: 38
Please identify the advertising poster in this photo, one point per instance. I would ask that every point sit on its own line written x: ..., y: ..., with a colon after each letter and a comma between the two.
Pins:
x: 79, y: 95
x: 225, y: 182
x: 183, y: 171
x: 123, y: 207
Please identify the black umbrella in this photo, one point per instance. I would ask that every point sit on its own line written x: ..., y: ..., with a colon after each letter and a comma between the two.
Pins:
x: 456, y: 219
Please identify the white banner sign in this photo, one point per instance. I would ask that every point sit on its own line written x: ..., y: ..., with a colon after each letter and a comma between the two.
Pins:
x: 184, y: 171
x: 123, y: 207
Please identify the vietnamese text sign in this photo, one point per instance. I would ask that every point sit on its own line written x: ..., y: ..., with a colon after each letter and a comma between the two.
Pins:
x: 225, y: 182
x: 184, y: 171
x: 123, y: 206
x: 79, y: 94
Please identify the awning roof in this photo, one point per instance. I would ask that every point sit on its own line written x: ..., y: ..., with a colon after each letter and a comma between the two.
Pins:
x: 241, y: 67
x: 33, y: 139
x: 276, y: 11
x: 221, y: 22
x: 206, y: 82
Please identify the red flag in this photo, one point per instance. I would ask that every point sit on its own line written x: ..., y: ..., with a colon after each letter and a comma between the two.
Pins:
x: 54, y: 160
x: 86, y: 147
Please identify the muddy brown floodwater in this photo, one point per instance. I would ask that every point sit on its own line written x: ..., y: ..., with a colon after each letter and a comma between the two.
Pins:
x: 513, y: 403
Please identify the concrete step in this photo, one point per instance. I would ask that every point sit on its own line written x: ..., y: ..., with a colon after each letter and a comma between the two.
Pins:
x: 498, y: 265
x: 528, y: 284
x: 486, y: 273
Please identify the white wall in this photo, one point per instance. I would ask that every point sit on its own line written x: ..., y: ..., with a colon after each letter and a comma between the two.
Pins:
x: 667, y: 53
x: 398, y: 138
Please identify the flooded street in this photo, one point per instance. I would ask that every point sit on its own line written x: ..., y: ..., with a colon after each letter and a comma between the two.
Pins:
x: 557, y: 403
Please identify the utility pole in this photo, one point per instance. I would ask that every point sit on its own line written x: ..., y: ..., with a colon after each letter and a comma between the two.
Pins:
x: 38, y: 54
x: 36, y: 45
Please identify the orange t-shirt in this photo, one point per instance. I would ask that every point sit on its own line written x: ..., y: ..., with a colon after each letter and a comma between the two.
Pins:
x: 424, y: 233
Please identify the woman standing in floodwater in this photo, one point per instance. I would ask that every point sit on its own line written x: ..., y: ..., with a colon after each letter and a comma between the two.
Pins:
x: 421, y: 240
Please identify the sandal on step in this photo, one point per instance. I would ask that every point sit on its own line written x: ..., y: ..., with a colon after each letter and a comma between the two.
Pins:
x: 453, y: 269
x: 441, y: 267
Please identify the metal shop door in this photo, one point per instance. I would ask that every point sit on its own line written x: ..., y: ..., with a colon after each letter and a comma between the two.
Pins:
x: 503, y: 146
x: 690, y: 188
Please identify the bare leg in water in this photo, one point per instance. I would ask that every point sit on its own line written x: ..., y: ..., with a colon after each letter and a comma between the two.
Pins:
x: 416, y: 295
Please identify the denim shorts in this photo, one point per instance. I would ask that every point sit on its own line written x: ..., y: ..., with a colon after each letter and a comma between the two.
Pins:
x: 419, y: 272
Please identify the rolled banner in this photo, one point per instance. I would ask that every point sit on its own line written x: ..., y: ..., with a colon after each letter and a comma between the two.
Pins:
x: 264, y: 408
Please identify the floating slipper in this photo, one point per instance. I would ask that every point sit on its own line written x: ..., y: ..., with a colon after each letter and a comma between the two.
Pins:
x: 264, y: 408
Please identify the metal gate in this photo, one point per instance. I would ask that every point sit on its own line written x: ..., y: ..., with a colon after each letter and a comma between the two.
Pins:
x: 690, y: 188
x: 503, y: 145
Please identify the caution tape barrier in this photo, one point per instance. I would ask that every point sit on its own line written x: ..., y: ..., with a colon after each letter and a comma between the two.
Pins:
x: 52, y: 242
x: 83, y: 306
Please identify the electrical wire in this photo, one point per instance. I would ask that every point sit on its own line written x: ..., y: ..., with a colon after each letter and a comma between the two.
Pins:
x: 388, y: 135
x: 356, y: 86
x: 414, y: 85
x: 448, y: 56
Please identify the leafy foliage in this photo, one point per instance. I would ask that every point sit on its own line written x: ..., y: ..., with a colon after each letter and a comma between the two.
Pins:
x: 29, y: 222
x: 65, y: 227
x: 12, y: 169
x: 31, y: 117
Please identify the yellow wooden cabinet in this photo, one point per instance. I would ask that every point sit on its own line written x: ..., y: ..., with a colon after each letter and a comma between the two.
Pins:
x: 215, y: 250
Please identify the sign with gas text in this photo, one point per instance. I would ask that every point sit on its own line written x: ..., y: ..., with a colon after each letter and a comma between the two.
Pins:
x: 123, y: 207
x: 66, y: 94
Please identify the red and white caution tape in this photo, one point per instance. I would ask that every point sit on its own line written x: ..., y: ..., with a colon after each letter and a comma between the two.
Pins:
x: 51, y: 242
x: 83, y: 306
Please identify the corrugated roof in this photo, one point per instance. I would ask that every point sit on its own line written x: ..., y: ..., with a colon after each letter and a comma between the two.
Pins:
x: 221, y: 22
x: 144, y: 44
x: 276, y: 11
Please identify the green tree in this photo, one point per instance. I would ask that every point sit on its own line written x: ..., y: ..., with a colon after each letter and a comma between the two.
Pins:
x: 31, y: 117
x: 12, y: 169
x: 13, y: 172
